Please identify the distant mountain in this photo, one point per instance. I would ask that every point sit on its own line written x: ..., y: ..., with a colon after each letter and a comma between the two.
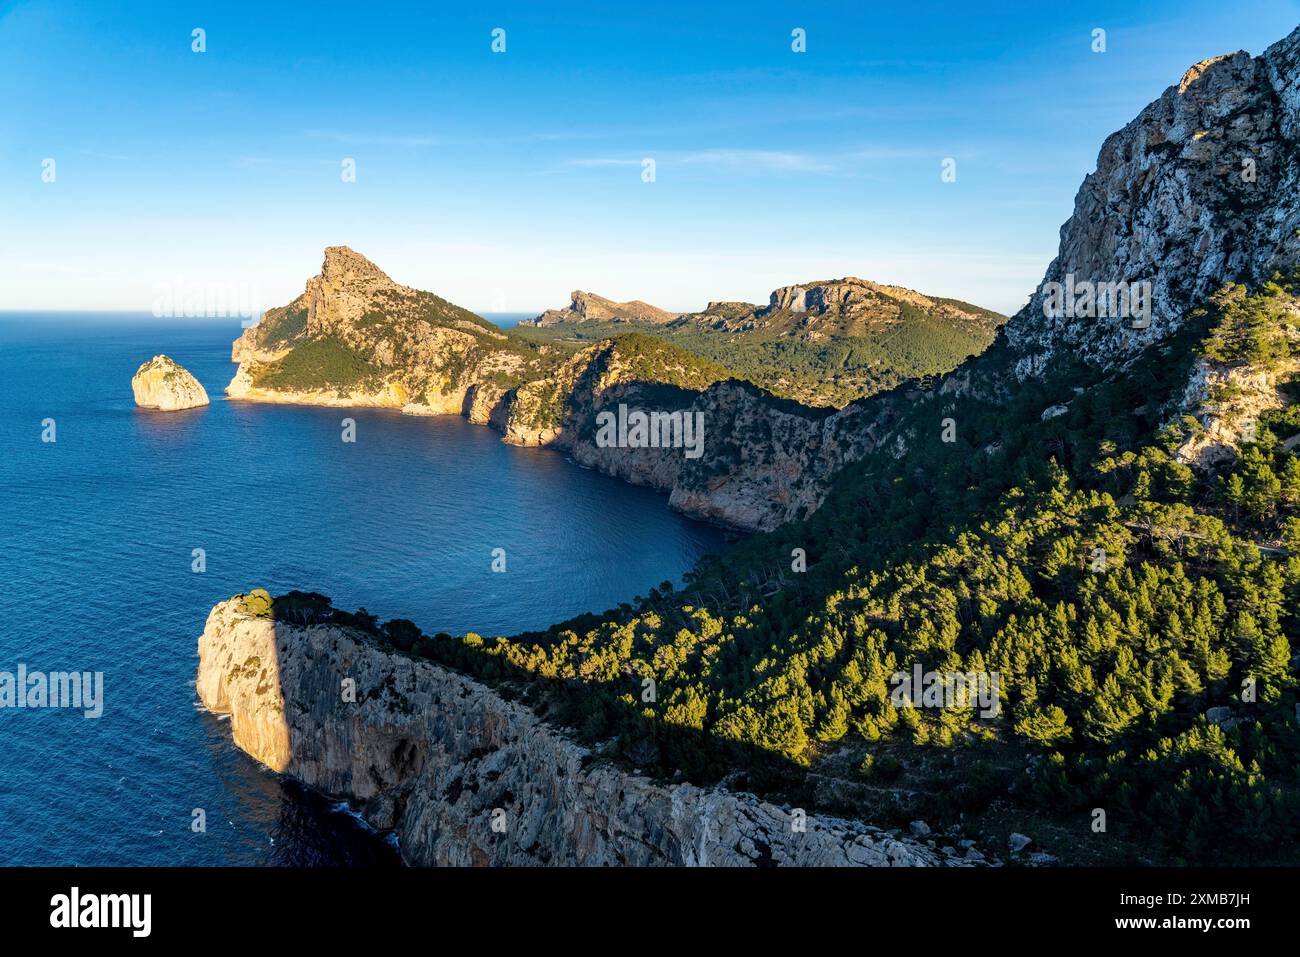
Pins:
x: 355, y: 335
x: 823, y: 343
x: 588, y: 307
x: 840, y: 308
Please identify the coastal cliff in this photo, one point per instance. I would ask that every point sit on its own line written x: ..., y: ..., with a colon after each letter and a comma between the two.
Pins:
x: 464, y: 777
x: 356, y: 338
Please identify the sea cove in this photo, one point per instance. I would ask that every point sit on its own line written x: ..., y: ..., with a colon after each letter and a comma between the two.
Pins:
x: 103, y: 525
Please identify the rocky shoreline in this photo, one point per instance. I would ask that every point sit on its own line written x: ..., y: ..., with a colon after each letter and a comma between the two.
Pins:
x: 462, y: 776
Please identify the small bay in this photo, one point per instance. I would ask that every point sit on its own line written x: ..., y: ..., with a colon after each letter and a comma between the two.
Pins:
x: 98, y: 532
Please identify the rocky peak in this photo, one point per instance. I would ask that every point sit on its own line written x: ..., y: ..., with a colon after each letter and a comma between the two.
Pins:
x: 343, y: 264
x: 346, y: 289
x: 1201, y: 188
x: 838, y: 307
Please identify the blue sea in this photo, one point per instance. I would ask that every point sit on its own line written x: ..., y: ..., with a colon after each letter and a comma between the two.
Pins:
x: 97, y: 536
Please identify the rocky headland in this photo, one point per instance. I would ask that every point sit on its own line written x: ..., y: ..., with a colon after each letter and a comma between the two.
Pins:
x: 464, y: 777
x: 357, y: 338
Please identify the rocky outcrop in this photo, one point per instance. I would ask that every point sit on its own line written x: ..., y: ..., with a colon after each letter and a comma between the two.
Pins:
x: 1227, y: 401
x: 588, y: 307
x: 1200, y: 189
x: 463, y: 777
x: 840, y: 308
x: 162, y: 384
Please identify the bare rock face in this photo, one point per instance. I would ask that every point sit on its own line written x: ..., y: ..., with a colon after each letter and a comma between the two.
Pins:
x: 1228, y: 401
x: 162, y: 384
x: 765, y: 464
x: 464, y: 777
x: 1202, y: 188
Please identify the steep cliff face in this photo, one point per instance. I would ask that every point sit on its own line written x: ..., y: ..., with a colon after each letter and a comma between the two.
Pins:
x: 162, y: 384
x: 464, y: 777
x: 1202, y: 188
x: 764, y: 464
x: 745, y: 460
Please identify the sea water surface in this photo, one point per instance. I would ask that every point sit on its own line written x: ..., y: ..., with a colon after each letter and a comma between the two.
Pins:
x: 98, y: 531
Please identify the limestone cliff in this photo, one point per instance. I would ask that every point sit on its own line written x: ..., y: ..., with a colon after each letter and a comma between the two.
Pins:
x: 464, y: 777
x: 162, y: 384
x: 1201, y: 188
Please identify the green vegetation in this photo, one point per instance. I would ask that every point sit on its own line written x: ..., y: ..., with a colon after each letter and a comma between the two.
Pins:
x: 280, y: 327
x: 257, y: 602
x: 833, y: 370
x: 320, y: 362
x: 659, y: 374
x: 1117, y: 594
x: 1251, y: 329
x: 650, y: 359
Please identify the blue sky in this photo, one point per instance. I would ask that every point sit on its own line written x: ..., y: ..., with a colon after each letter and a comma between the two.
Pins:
x: 502, y: 181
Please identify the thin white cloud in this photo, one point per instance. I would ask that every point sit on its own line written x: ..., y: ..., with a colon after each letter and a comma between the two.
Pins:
x: 598, y: 161
x: 773, y: 161
x: 769, y: 160
x: 372, y: 139
x: 96, y: 154
x: 733, y: 159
